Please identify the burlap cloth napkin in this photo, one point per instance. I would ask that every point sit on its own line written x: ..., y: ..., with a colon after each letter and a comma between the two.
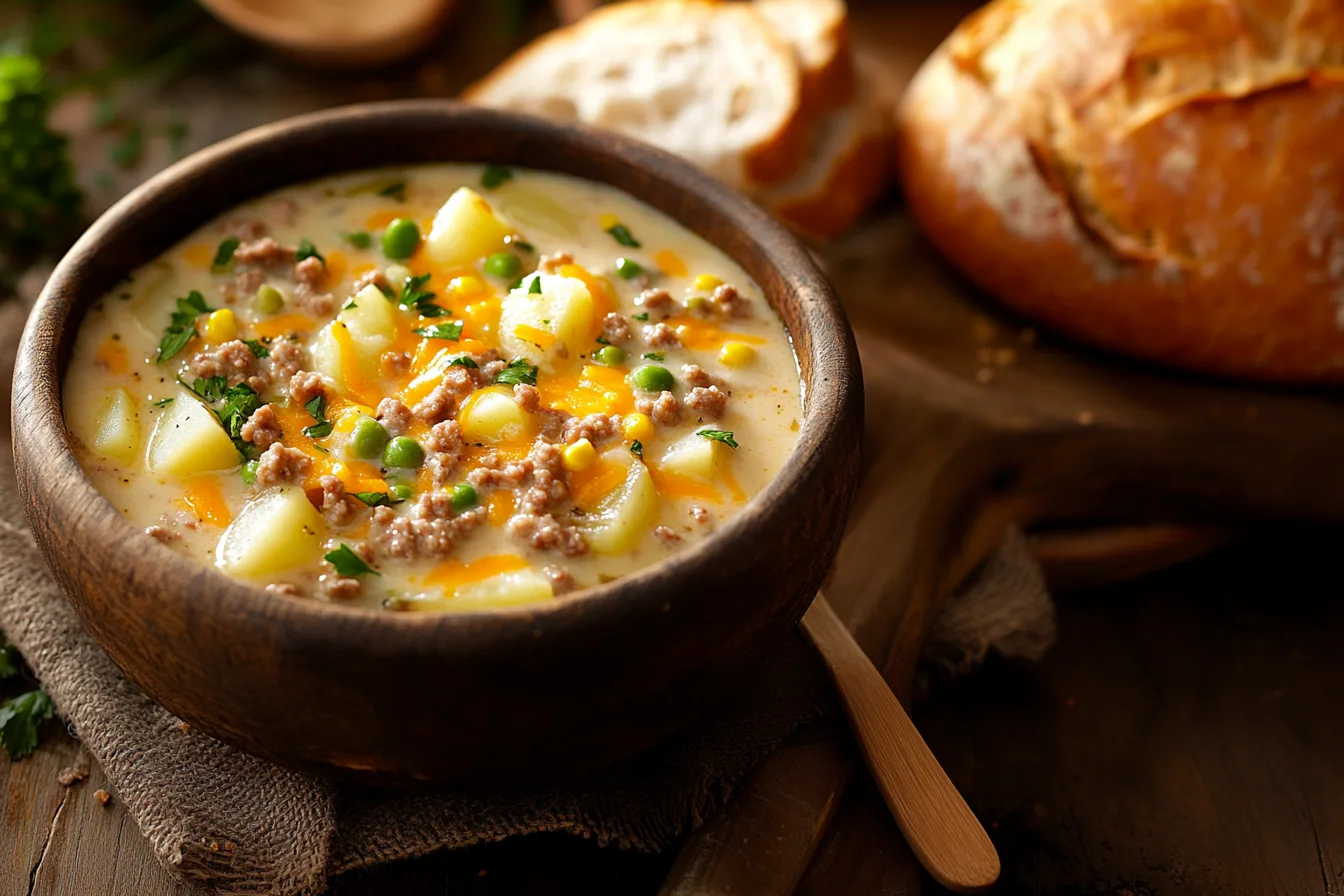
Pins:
x: 235, y: 823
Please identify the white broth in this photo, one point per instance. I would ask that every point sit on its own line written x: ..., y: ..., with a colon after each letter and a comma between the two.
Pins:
x: 441, y: 387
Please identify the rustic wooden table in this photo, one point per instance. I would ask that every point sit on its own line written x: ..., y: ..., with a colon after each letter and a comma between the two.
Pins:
x: 1181, y: 738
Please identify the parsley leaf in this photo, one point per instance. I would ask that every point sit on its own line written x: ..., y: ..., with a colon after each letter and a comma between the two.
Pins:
x: 653, y: 356
x: 718, y: 435
x: 628, y: 268
x: 317, y: 408
x: 9, y: 661
x: 643, y: 315
x: 395, y: 190
x: 451, y: 331
x: 259, y: 350
x: 463, y: 361
x: 348, y: 563
x: 162, y: 402
x: 20, y: 717
x: 602, y: 340
x: 308, y: 250
x: 622, y: 235
x: 211, y: 388
x: 224, y: 255
x: 519, y: 372
x: 526, y: 247
x: 637, y: 449
x: 414, y: 297
x: 240, y: 402
x: 375, y: 499
x: 494, y: 175
x: 183, y: 325
x: 360, y: 239
x: 534, y: 288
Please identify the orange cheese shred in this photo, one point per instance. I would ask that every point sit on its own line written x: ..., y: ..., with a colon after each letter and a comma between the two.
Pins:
x: 595, y: 390
x: 500, y: 507
x: 604, y: 297
x: 676, y: 485
x: 453, y: 574
x: 540, y: 338
x: 205, y: 499
x: 112, y: 355
x: 700, y: 335
x: 669, y: 263
x: 283, y: 325
x: 334, y: 270
x: 199, y: 256
x: 590, y: 486
x: 351, y: 372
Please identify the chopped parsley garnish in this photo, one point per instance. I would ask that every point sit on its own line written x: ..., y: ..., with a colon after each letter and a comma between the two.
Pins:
x: 534, y: 288
x: 452, y: 331
x: 622, y: 235
x: 20, y: 718
x: 317, y: 409
x: 519, y: 372
x: 602, y: 340
x: 162, y: 402
x: 718, y: 435
x: 420, y: 300
x: 628, y: 268
x: 240, y: 402
x: 653, y: 356
x: 395, y: 190
x: 360, y: 239
x: 377, y: 499
x: 349, y: 305
x: 515, y: 284
x: 526, y: 247
x: 308, y: 250
x: 224, y: 254
x: 637, y: 449
x: 348, y: 563
x: 211, y: 388
x: 183, y: 326
x: 463, y: 361
x: 494, y: 175
x: 643, y: 315
x: 259, y: 349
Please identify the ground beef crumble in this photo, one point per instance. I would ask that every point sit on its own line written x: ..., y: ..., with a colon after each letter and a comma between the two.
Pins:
x: 527, y: 397
x: 596, y: 428
x: 279, y: 465
x: 262, y: 428
x: 708, y: 402
x: 616, y: 328
x: 661, y: 336
x: 664, y: 409
x: 667, y: 535
x: 264, y: 251
x: 394, y: 415
x: 445, y: 446
x: 561, y: 579
x: 338, y: 509
x: 695, y: 375
x: 656, y: 301
x: 334, y: 587
x: 286, y: 589
x: 233, y: 360
x: 728, y: 302
x: 551, y: 264
x: 545, y: 533
x: 304, y: 386
x: 429, y: 531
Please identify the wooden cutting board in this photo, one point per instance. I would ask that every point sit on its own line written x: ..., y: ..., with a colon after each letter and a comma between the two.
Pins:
x: 977, y: 420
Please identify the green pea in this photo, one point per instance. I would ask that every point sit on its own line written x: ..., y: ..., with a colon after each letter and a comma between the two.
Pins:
x: 504, y: 265
x: 250, y: 472
x: 697, y: 304
x: 268, y: 300
x: 401, y: 238
x: 652, y: 378
x: 403, y: 452
x: 464, y: 497
x: 609, y: 355
x: 402, y: 492
x: 628, y: 268
x: 367, y: 438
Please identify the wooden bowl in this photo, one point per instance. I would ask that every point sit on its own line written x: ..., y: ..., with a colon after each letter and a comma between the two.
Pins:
x: 538, y: 692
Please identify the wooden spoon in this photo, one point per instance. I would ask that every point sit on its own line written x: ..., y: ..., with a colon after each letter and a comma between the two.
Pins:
x: 942, y: 831
x: 346, y: 33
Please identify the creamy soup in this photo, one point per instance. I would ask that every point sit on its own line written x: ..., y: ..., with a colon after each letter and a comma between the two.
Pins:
x: 444, y: 387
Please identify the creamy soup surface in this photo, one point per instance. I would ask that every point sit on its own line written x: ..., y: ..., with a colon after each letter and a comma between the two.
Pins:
x: 444, y: 387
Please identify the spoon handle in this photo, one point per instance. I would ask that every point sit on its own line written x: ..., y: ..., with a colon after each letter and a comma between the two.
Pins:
x: 942, y: 831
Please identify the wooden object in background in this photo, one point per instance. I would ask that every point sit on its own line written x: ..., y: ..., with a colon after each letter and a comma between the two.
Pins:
x: 941, y: 829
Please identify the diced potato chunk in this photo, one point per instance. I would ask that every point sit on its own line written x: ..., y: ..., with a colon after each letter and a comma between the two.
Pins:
x: 491, y: 415
x: 695, y: 456
x: 563, y: 311
x: 535, y: 210
x: 117, y: 427
x: 188, y: 439
x: 512, y: 589
x: 277, y: 531
x: 371, y: 326
x: 623, y: 517
x: 465, y: 230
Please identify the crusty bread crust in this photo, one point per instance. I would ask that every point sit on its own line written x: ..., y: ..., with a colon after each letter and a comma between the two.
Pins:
x: 829, y: 82
x: 1163, y: 179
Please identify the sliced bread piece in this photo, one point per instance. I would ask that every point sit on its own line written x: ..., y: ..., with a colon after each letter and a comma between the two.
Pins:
x: 849, y: 167
x: 818, y: 31
x: 710, y: 82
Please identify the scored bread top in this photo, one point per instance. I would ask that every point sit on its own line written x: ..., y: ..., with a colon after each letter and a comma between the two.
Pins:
x: 710, y: 82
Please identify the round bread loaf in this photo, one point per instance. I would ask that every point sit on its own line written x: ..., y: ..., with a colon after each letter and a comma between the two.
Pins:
x: 1164, y: 178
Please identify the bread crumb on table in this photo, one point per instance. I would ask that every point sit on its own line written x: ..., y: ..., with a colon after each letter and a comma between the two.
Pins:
x: 71, y: 776
x: 102, y: 796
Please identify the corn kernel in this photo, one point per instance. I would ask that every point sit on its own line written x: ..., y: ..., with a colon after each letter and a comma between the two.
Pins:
x: 737, y: 354
x: 469, y: 286
x: 637, y: 427
x: 221, y: 326
x: 608, y: 221
x: 580, y: 456
x: 707, y: 282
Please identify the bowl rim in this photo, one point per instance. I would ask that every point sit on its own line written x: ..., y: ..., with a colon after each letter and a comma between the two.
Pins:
x: 828, y: 391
